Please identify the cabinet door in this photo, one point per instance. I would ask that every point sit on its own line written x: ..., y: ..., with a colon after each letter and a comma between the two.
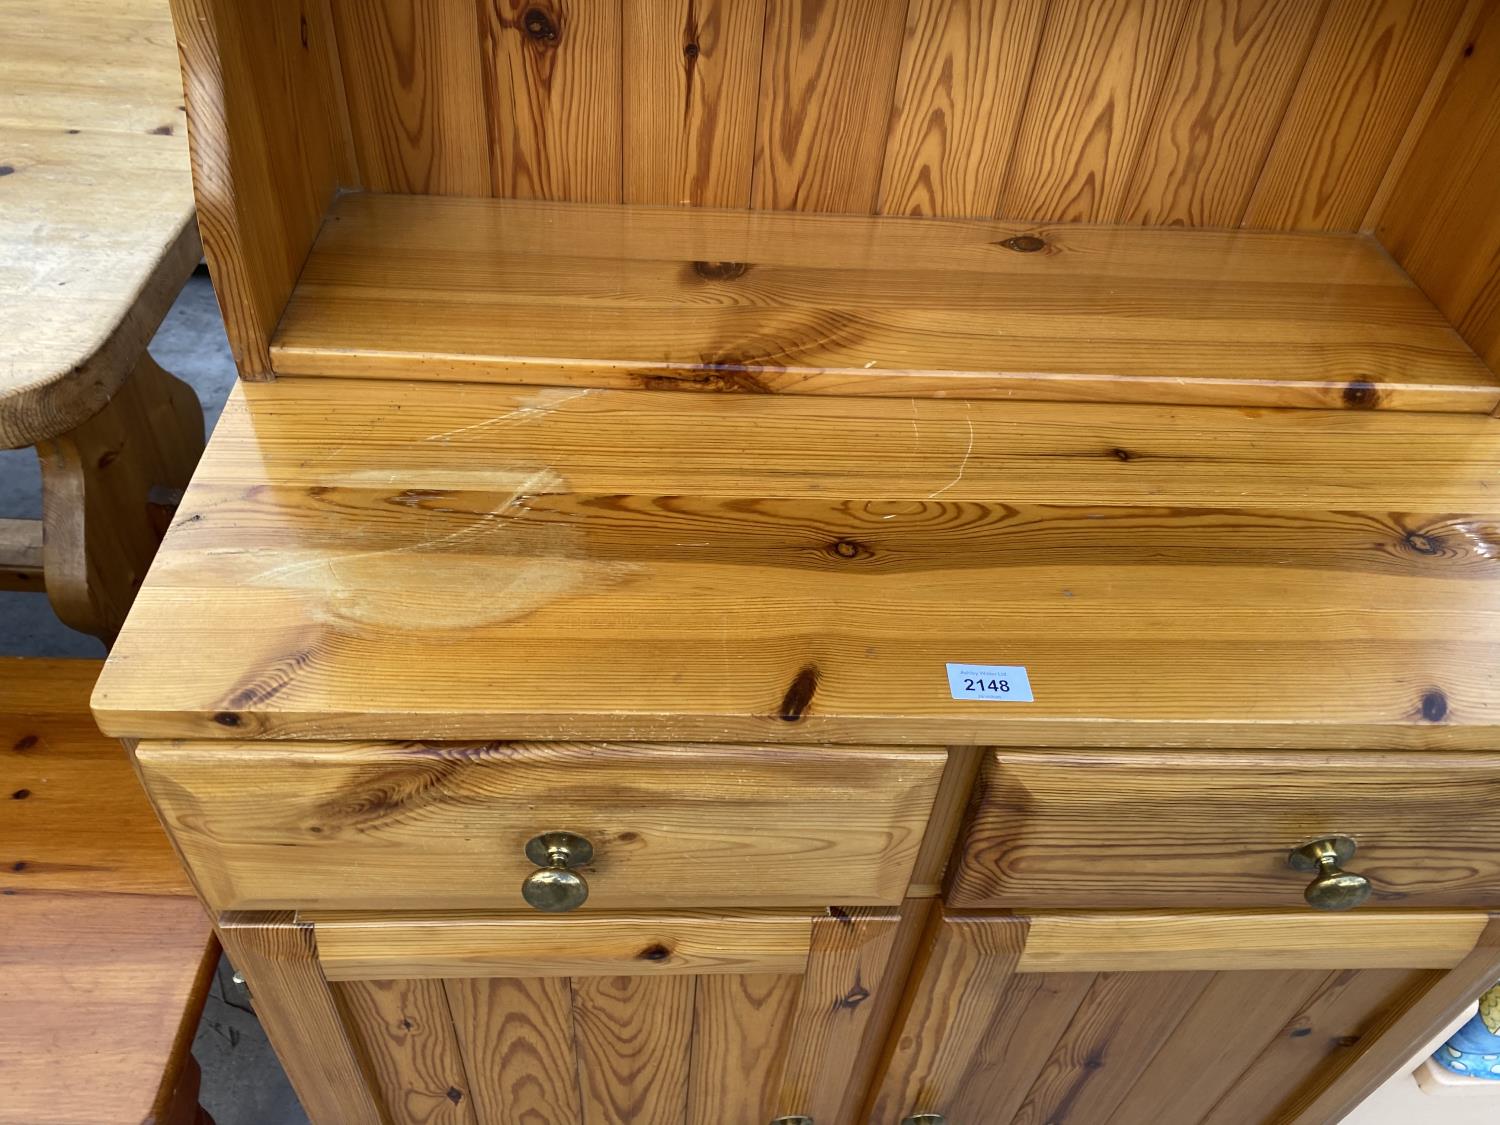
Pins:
x: 1173, y: 1019
x: 732, y: 1019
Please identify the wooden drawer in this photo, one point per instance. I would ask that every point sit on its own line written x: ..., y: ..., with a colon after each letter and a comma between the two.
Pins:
x: 391, y: 827
x: 1053, y: 829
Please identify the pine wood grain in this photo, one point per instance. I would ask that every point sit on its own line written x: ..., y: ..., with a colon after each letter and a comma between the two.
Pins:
x: 378, y: 827
x: 1359, y: 88
x: 827, y: 75
x: 959, y: 982
x: 96, y: 207
x: 983, y: 1038
x: 101, y: 995
x: 422, y: 287
x: 269, y: 152
x: 455, y: 945
x: 741, y: 1031
x: 1318, y: 1039
x: 278, y: 956
x: 405, y: 1032
x: 1217, y: 1039
x: 1432, y: 1003
x: 75, y: 819
x: 1232, y: 75
x: 1440, y: 221
x: 1209, y: 941
x: 1093, y: 91
x: 552, y: 75
x: 960, y: 92
x: 691, y: 73
x: 517, y: 1040
x: 412, y: 75
x: 105, y: 955
x: 420, y: 561
x: 1124, y: 1019
x: 846, y: 966
x: 633, y: 1036
x: 1181, y: 829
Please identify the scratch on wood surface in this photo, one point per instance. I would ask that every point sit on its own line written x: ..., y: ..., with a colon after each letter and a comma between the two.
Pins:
x: 460, y: 580
x: 543, y: 404
x: 963, y: 465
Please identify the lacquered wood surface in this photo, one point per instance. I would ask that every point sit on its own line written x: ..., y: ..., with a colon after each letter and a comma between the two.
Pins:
x: 425, y: 287
x: 105, y: 955
x: 985, y: 1038
x: 371, y: 827
x: 729, y: 1040
x: 456, y: 945
x: 1441, y: 220
x: 1158, y: 111
x: 96, y: 203
x: 1148, y: 829
x: 416, y: 561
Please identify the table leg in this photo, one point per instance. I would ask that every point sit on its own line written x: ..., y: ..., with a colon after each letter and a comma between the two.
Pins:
x: 99, y: 533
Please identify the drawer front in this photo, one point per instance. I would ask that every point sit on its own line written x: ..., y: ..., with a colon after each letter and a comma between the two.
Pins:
x: 392, y: 827
x: 1104, y: 829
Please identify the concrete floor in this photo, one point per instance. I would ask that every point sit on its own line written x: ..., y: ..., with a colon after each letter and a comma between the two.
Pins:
x: 242, y: 1082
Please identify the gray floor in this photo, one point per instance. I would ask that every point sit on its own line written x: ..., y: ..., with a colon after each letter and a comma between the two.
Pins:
x: 242, y: 1082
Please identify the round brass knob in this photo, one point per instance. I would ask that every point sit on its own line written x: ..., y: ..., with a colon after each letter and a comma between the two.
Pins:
x: 556, y: 888
x: 925, y: 1119
x: 1333, y: 888
x: 793, y: 1119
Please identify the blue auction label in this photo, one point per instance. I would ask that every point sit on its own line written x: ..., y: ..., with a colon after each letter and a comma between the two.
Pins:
x: 1005, y: 682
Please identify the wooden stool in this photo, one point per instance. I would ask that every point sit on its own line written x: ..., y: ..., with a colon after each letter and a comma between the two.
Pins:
x: 98, y: 235
x: 105, y: 955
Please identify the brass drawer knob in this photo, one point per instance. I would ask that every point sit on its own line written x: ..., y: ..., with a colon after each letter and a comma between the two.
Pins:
x: 925, y: 1119
x: 1333, y: 888
x: 793, y: 1119
x: 557, y: 888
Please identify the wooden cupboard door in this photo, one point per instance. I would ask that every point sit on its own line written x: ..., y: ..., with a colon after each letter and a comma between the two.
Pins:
x: 733, y: 1019
x: 1153, y: 1019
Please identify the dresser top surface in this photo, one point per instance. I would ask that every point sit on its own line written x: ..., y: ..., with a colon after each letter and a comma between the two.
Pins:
x: 427, y: 561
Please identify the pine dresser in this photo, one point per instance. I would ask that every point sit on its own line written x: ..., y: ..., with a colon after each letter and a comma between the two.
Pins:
x: 892, y: 561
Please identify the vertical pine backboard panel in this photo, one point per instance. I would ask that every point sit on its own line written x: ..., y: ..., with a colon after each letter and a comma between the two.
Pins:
x: 691, y: 74
x: 552, y: 77
x: 960, y: 91
x: 1233, y: 73
x: 828, y: 72
x: 1094, y: 90
x: 1358, y: 90
x: 416, y: 103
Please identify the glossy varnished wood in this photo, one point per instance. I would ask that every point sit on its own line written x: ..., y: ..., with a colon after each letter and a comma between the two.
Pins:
x: 724, y: 1038
x: 269, y: 136
x: 453, y: 946
x: 446, y: 561
x: 1118, y: 829
x: 419, y: 286
x: 282, y: 825
x: 105, y: 955
x: 985, y: 1037
x: 1440, y: 220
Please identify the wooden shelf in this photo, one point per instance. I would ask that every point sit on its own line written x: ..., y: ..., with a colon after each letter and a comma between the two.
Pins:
x: 609, y: 296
